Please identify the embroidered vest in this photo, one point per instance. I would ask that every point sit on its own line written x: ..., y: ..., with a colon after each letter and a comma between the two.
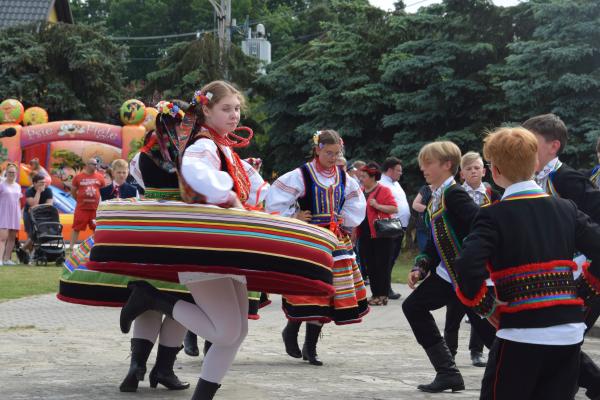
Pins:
x: 446, y: 242
x: 324, y: 203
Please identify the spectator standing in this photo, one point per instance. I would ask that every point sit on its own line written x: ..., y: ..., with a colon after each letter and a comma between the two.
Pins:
x: 376, y: 252
x: 10, y: 213
x: 392, y: 172
x: 86, y: 190
x: 420, y: 206
x: 355, y: 169
x: 37, y: 194
x: 118, y: 188
x: 37, y: 169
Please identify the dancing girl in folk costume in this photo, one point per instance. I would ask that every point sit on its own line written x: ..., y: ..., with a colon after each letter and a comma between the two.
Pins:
x: 321, y: 193
x: 208, y: 171
x: 83, y: 286
x: 216, y: 253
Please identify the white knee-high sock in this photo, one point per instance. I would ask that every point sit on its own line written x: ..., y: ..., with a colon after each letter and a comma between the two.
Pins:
x: 171, y: 333
x: 147, y: 325
x: 219, y: 358
x: 216, y: 316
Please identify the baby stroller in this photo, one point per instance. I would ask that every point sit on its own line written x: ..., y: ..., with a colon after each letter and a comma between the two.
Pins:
x: 48, y: 243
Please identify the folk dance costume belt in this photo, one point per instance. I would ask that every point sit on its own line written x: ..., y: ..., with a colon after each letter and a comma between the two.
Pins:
x: 535, y: 286
x: 158, y: 239
x: 528, y: 287
x: 162, y: 193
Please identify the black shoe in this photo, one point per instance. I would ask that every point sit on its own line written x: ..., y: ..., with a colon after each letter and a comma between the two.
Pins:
x: 589, y: 377
x: 447, y: 375
x: 140, y: 350
x: 477, y: 359
x: 309, y: 350
x: 163, y: 369
x: 144, y: 297
x: 207, y: 345
x: 290, y: 339
x: 393, y: 295
x: 205, y: 390
x: 190, y: 344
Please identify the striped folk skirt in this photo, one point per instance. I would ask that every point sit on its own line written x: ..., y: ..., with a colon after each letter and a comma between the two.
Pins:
x: 349, y: 303
x: 80, y: 285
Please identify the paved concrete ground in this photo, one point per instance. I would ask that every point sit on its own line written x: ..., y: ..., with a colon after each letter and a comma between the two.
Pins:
x: 54, y: 350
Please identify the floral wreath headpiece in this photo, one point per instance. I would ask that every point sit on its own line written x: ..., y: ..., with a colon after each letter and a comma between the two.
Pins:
x: 201, y: 98
x: 169, y: 108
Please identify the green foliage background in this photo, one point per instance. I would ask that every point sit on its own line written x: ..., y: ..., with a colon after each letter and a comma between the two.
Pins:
x: 387, y: 81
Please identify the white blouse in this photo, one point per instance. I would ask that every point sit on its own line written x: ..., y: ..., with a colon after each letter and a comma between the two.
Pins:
x: 201, y: 169
x: 287, y: 189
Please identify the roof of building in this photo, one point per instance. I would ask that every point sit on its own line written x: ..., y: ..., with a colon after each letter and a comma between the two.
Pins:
x: 17, y: 12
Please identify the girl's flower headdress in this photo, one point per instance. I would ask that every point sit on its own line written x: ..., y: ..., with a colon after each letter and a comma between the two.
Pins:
x: 169, y: 108
x: 202, y: 98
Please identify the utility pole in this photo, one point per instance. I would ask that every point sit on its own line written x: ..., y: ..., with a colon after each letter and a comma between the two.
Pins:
x: 223, y: 13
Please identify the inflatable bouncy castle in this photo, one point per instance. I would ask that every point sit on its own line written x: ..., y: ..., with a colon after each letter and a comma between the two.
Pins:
x: 62, y: 147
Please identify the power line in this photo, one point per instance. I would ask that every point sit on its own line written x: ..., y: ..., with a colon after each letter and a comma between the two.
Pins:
x: 415, y: 3
x: 175, y: 35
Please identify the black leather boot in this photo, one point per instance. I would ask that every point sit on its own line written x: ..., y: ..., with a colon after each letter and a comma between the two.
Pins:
x: 207, y: 345
x: 205, y: 390
x: 451, y: 339
x: 190, y: 344
x: 163, y: 369
x: 589, y: 377
x: 309, y: 350
x: 478, y: 359
x: 140, y: 350
x: 290, y: 339
x: 144, y: 297
x: 447, y: 375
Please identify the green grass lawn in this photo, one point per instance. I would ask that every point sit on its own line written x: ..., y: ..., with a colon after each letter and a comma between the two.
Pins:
x: 24, y: 280
x: 403, y: 265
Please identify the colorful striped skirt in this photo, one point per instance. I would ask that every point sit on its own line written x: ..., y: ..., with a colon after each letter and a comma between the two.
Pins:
x: 159, y: 239
x: 349, y: 303
x: 80, y: 285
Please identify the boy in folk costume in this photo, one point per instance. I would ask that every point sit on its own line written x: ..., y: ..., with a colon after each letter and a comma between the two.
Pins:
x: 472, y: 172
x: 322, y: 193
x: 560, y: 180
x: 449, y: 214
x: 535, y: 301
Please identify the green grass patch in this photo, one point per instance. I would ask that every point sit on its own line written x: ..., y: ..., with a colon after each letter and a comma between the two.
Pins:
x: 23, y: 280
x: 403, y: 265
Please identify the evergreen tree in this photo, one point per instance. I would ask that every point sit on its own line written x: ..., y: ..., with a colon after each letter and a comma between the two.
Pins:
x: 556, y: 69
x: 73, y: 71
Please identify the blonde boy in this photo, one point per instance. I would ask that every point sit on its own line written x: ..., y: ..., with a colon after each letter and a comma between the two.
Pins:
x: 119, y: 188
x: 450, y: 210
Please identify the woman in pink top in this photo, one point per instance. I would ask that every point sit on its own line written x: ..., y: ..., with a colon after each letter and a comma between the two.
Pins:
x: 10, y: 213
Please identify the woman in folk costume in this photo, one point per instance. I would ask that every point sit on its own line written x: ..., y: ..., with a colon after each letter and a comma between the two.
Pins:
x: 209, y: 172
x: 321, y: 193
